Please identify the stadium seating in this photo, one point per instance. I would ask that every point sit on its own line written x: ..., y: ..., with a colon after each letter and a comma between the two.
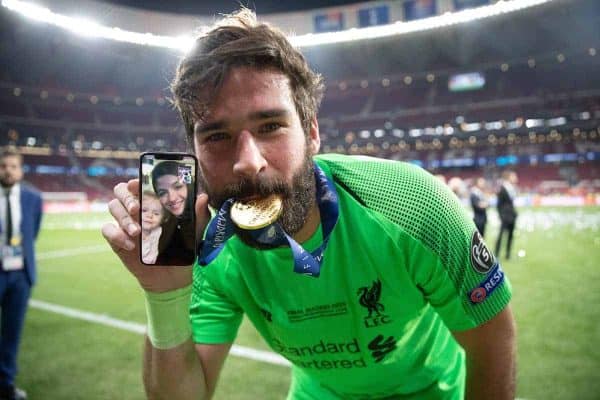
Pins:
x: 108, y: 104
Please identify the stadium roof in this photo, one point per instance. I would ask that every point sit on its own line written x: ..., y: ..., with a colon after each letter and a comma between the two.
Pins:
x: 98, y: 18
x: 210, y: 7
x: 560, y: 30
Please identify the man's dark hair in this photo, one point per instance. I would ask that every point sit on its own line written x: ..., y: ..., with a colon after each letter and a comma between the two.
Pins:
x: 239, y: 40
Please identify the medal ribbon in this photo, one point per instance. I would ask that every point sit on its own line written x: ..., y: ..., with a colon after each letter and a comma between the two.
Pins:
x: 220, y: 229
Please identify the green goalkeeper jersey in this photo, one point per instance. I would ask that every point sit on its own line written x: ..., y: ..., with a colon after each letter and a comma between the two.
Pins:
x: 404, y: 266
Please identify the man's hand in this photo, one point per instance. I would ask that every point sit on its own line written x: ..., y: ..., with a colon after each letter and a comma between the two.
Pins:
x: 124, y: 240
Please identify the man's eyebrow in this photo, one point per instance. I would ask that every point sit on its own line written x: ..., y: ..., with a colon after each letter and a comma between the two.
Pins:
x: 255, y: 116
x: 213, y: 126
x: 266, y: 114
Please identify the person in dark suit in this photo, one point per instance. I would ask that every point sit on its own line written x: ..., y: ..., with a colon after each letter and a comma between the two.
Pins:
x: 479, y: 204
x: 506, y: 210
x: 20, y: 218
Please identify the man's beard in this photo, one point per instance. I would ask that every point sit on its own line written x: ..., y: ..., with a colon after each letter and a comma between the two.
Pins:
x: 7, y: 182
x: 297, y: 199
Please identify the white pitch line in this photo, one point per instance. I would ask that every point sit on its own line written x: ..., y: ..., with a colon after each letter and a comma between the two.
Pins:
x: 240, y: 351
x: 47, y: 255
x: 88, y: 316
x: 259, y: 355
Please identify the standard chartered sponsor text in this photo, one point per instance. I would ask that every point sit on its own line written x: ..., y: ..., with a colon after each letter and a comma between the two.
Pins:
x: 331, y: 355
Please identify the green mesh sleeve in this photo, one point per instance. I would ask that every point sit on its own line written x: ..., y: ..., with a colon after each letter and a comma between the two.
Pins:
x: 214, y: 317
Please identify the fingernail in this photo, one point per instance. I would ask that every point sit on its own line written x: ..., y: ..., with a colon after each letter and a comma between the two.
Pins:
x: 130, y: 204
x: 129, y: 245
x: 132, y: 229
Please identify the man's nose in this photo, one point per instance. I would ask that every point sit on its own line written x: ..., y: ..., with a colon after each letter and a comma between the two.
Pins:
x: 249, y: 159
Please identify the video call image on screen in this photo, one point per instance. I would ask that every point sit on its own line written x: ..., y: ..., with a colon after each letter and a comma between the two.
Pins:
x: 167, y: 210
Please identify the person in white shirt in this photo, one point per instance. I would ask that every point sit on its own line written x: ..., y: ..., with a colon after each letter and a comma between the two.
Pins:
x: 20, y: 220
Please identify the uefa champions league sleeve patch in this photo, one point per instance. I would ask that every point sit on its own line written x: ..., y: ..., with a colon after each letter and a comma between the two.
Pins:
x: 482, y: 258
x: 485, y: 288
x: 484, y: 262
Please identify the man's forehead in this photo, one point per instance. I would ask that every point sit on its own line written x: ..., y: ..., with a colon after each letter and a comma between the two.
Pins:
x: 10, y: 159
x: 255, y: 78
x: 243, y: 92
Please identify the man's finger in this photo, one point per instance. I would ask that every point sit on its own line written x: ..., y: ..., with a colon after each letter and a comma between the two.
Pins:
x: 117, y: 238
x: 123, y: 218
x: 133, y: 186
x: 127, y: 197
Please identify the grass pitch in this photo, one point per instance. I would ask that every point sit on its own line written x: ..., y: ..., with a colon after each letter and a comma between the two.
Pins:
x: 556, y: 292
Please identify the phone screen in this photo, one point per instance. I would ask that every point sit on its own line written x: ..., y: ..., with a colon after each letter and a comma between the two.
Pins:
x: 167, y: 217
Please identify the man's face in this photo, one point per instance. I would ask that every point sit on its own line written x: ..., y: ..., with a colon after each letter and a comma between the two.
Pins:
x: 251, y: 144
x: 11, y: 170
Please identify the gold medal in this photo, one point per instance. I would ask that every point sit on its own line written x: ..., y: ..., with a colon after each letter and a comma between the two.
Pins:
x: 256, y: 213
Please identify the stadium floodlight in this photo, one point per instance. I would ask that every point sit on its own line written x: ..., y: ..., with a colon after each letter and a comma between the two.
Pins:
x: 494, y: 125
x: 88, y: 28
x: 559, y: 121
x: 534, y: 122
x: 401, y: 27
x: 184, y: 43
x: 470, y: 127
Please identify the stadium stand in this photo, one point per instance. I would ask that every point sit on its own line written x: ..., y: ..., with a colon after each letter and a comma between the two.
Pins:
x: 82, y: 111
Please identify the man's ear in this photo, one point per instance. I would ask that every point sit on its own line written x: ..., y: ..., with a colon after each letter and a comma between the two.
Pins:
x: 314, y: 137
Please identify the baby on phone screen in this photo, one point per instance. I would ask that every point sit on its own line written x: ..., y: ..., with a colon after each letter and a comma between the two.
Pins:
x: 152, y: 217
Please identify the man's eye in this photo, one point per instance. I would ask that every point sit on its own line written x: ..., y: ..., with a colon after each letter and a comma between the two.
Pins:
x: 269, y: 127
x: 216, y: 137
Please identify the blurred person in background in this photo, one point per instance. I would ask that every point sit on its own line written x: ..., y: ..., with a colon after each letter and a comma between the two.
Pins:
x: 458, y: 187
x: 20, y: 218
x: 506, y: 210
x: 368, y: 282
x: 479, y: 204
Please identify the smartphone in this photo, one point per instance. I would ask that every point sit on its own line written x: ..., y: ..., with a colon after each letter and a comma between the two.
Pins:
x: 167, y: 217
